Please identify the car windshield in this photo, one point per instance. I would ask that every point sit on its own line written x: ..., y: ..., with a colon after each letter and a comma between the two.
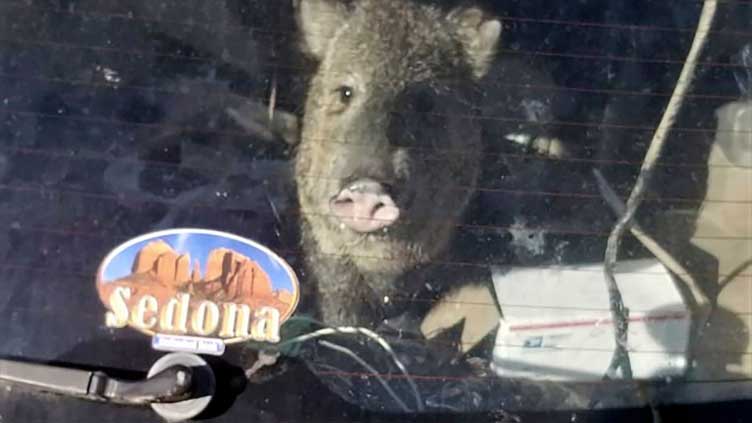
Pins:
x: 374, y: 209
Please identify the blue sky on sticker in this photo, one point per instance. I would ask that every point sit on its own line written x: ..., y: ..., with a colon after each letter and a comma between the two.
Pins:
x: 198, y: 245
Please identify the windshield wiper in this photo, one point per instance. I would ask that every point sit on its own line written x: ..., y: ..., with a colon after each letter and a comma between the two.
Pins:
x: 178, y: 386
x: 171, y: 385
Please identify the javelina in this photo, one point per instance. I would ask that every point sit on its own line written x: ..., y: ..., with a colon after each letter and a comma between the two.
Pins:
x: 389, y: 150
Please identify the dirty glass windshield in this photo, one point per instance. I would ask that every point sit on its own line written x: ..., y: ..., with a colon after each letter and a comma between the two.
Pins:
x: 341, y: 210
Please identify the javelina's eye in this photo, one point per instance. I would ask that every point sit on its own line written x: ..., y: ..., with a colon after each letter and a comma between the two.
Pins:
x: 345, y: 94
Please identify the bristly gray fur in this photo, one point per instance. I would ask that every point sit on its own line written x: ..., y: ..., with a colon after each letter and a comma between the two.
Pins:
x: 386, y: 51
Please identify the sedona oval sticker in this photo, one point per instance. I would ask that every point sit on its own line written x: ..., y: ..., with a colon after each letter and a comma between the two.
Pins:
x: 196, y: 284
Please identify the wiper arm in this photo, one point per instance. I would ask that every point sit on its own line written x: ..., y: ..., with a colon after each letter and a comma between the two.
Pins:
x: 178, y: 387
x: 171, y: 385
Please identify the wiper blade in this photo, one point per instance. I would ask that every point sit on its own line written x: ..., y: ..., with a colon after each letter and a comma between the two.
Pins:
x: 178, y: 386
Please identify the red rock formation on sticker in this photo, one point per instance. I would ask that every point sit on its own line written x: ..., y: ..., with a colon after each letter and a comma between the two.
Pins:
x: 285, y: 296
x: 196, y: 274
x: 160, y: 271
x: 147, y: 257
x: 236, y: 275
x: 168, y: 267
x: 183, y: 269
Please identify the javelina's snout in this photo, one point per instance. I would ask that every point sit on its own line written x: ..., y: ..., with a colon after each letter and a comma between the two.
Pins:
x: 365, y: 206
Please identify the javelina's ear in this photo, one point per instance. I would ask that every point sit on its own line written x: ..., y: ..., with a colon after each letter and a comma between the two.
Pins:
x: 318, y: 20
x: 479, y: 35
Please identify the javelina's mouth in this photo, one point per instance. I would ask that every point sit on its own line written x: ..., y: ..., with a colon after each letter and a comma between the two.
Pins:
x: 365, y: 206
